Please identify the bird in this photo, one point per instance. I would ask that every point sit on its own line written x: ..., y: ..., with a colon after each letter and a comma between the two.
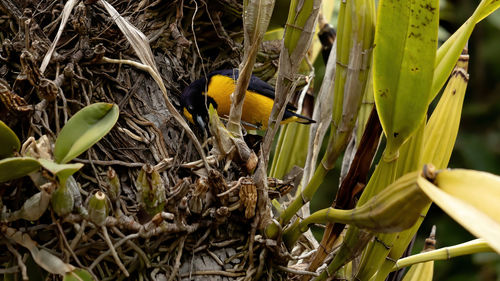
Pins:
x: 216, y: 89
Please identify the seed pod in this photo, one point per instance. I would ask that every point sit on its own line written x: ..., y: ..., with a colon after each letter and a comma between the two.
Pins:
x: 403, y: 197
x: 394, y: 209
x: 98, y: 208
x: 62, y: 200
x: 113, y: 184
x: 151, y: 191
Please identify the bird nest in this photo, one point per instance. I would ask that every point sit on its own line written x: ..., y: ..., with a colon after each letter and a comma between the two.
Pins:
x: 207, y: 227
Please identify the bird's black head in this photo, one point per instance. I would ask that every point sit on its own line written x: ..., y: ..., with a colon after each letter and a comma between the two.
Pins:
x: 193, y: 103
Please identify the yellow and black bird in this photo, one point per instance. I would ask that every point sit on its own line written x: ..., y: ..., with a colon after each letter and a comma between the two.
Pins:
x: 216, y: 89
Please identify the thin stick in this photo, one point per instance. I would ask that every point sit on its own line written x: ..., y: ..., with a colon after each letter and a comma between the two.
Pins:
x: 177, y: 259
x: 214, y: 272
x: 112, y: 251
x: 296, y: 271
x: 19, y: 258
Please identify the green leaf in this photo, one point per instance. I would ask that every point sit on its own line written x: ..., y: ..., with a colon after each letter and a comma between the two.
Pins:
x: 10, y: 142
x: 16, y: 167
x: 486, y: 8
x: 78, y: 274
x: 404, y: 57
x: 62, y: 171
x: 449, y: 52
x: 84, y: 129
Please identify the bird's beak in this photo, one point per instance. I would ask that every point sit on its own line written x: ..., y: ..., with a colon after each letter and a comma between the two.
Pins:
x: 200, y: 122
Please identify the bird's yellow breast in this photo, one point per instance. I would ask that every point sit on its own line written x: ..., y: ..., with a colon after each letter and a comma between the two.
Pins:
x: 256, y: 107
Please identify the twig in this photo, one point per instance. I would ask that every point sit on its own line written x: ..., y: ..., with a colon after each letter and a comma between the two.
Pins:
x: 139, y: 251
x: 177, y: 259
x: 19, y: 258
x: 225, y: 243
x: 262, y: 262
x: 215, y: 257
x: 238, y: 183
x: 296, y: 271
x: 10, y: 270
x: 113, y: 252
x: 214, y: 272
x: 109, y: 162
x: 65, y: 241
x: 79, y: 235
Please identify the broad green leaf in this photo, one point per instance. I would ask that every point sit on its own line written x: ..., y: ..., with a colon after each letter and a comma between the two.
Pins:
x: 404, y: 57
x: 449, y: 52
x: 16, y: 167
x: 62, y: 171
x: 470, y: 198
x: 9, y: 141
x: 84, y: 129
x: 78, y: 274
x: 438, y: 141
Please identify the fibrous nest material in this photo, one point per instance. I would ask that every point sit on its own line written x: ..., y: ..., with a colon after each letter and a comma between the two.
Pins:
x: 202, y: 232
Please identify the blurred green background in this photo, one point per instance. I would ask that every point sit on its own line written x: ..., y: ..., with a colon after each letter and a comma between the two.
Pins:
x: 477, y: 146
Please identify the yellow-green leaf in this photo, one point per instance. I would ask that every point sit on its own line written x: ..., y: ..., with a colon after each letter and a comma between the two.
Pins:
x: 489, y: 7
x: 449, y: 52
x: 404, y: 57
x: 479, y: 189
x: 470, y: 198
x: 442, y: 129
x: 9, y: 141
x: 16, y: 167
x: 84, y: 129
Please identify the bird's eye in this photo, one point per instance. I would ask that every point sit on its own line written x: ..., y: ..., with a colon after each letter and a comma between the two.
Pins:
x: 190, y: 108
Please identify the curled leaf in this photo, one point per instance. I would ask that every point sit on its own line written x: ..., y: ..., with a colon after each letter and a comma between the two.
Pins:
x: 470, y: 198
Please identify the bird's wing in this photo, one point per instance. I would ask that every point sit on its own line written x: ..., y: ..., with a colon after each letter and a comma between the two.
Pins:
x: 256, y: 84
